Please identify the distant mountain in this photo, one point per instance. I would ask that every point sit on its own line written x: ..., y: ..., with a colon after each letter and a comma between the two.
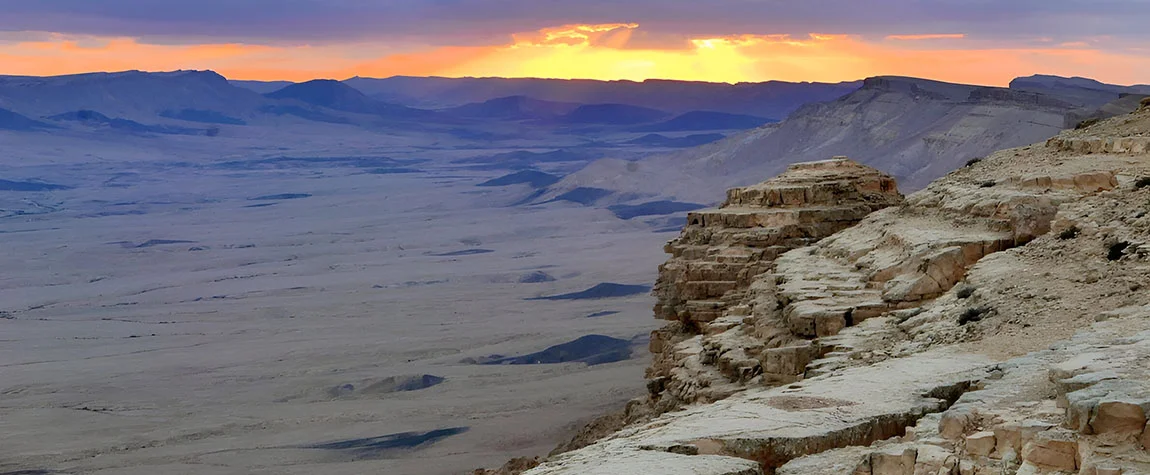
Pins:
x: 657, y: 140
x: 1125, y: 104
x: 96, y: 119
x: 773, y: 99
x: 1080, y: 91
x: 513, y: 108
x: 914, y: 129
x: 612, y: 114
x: 133, y: 95
x: 341, y: 97
x: 706, y: 120
x: 261, y: 87
x: 1096, y: 100
x: 12, y: 121
x: 207, y: 97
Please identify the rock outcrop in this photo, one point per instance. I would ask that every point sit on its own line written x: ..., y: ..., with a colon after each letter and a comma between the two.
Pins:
x: 996, y: 322
x: 707, y: 286
x: 1095, y: 423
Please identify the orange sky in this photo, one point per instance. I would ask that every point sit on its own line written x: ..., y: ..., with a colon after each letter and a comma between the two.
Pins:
x: 608, y: 51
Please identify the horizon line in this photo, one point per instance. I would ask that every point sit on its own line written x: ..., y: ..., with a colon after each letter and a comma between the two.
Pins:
x: 539, y: 78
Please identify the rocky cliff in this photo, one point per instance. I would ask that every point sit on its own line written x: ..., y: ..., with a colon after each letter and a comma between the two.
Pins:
x: 711, y: 286
x: 997, y: 321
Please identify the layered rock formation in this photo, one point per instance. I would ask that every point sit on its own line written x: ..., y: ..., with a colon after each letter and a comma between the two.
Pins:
x: 706, y: 287
x: 933, y: 337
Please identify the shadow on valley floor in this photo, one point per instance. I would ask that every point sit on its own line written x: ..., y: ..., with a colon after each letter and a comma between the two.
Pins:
x: 653, y: 208
x: 151, y: 243
x: 605, y: 313
x: 373, y: 164
x: 601, y: 291
x: 394, y: 384
x: 533, y: 178
x: 591, y: 349
x: 583, y: 195
x: 281, y: 196
x: 386, y: 446
x: 536, y: 278
x: 526, y: 159
x: 202, y: 116
x: 8, y: 185
x: 96, y: 120
x: 659, y: 140
x: 465, y: 252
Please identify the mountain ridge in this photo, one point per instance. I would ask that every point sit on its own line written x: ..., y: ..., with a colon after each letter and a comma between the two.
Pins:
x: 914, y: 129
x: 772, y: 99
x: 338, y: 96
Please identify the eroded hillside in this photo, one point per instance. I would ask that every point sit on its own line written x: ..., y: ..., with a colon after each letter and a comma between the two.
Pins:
x: 914, y: 129
x: 997, y: 321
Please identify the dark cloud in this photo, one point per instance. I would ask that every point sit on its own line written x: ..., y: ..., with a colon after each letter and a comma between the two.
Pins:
x: 465, y: 21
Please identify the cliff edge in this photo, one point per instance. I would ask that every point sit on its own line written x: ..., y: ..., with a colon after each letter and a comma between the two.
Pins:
x: 997, y: 321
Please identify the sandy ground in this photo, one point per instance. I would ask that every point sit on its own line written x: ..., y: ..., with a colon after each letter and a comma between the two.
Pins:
x: 219, y: 355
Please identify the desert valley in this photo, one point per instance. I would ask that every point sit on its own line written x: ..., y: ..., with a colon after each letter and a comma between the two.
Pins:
x: 432, y: 275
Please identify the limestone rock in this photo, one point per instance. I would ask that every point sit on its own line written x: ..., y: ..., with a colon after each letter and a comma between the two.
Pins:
x: 1118, y: 417
x: 934, y: 460
x: 772, y: 426
x: 1054, y: 449
x: 712, y: 283
x: 981, y: 443
x: 899, y: 461
x: 1146, y: 437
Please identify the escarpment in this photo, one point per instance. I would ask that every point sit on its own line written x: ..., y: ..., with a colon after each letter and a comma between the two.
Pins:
x: 997, y: 321
x: 709, y: 285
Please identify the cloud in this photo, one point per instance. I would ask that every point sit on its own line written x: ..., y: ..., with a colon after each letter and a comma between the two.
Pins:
x: 474, y: 22
x: 944, y: 36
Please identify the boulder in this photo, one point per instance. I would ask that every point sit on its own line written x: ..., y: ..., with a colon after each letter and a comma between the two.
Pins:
x: 899, y: 461
x: 1119, y: 417
x: 1055, y: 449
x: 981, y: 444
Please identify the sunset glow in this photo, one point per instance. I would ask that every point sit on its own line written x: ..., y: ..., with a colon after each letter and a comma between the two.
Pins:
x: 593, y: 51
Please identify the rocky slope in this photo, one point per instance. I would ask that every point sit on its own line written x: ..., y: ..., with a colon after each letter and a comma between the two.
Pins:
x: 914, y: 129
x: 997, y: 321
x: 708, y: 284
x: 1088, y: 93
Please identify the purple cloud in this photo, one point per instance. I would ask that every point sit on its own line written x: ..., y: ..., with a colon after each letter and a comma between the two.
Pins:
x: 468, y: 21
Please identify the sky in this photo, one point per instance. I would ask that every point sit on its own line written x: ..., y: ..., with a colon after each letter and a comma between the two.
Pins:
x: 985, y: 42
